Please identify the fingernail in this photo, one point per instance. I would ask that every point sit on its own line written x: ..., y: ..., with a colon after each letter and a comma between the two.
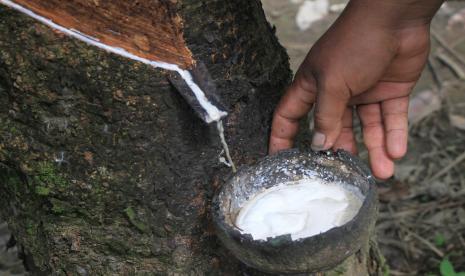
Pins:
x: 318, y: 141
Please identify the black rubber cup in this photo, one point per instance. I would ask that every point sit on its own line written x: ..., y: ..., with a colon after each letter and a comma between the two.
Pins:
x: 282, y: 254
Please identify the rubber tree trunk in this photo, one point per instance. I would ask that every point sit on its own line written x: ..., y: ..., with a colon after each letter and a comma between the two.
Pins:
x: 104, y: 168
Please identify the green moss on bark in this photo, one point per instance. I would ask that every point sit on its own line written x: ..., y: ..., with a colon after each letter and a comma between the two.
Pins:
x: 47, y: 180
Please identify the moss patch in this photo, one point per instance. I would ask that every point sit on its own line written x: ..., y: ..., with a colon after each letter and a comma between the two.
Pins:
x: 48, y: 180
x: 131, y: 215
x: 41, y: 190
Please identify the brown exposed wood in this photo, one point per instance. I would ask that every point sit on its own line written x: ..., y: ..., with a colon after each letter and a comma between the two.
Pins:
x: 147, y: 28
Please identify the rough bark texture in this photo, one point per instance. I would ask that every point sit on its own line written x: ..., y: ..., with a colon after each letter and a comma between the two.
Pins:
x: 104, y: 168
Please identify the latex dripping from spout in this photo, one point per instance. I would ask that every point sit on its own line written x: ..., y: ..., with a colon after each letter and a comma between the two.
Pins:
x: 220, y: 128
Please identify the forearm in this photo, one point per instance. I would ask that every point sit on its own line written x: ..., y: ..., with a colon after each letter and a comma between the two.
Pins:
x: 393, y: 13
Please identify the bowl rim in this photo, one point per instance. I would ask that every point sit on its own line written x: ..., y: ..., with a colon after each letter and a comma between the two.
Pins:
x: 365, y: 213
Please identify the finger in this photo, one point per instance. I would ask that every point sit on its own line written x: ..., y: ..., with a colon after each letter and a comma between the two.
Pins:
x: 395, y: 118
x: 373, y: 137
x: 383, y: 91
x: 296, y: 103
x: 346, y: 139
x: 330, y: 106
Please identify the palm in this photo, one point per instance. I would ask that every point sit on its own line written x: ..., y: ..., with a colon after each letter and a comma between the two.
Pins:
x: 383, y: 108
x: 374, y: 71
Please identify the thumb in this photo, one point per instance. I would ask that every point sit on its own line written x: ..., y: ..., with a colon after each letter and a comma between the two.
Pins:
x: 330, y: 105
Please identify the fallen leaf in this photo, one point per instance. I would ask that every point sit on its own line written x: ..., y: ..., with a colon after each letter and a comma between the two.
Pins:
x: 337, y: 8
x: 457, y: 121
x: 310, y: 12
x: 457, y: 18
x: 395, y: 191
x: 423, y: 104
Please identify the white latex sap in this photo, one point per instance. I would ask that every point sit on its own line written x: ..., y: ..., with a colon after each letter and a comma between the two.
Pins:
x: 303, y: 208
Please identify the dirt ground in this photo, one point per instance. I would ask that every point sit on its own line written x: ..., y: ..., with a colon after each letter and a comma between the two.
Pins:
x: 421, y: 225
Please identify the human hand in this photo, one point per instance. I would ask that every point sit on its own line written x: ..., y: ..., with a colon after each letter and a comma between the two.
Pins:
x: 370, y: 58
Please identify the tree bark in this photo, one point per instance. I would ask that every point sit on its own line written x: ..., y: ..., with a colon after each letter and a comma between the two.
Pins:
x: 104, y: 168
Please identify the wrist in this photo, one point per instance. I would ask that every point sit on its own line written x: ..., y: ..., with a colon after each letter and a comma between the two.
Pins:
x: 393, y: 14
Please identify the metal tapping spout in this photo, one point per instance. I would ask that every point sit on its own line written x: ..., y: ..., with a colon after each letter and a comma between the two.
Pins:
x: 207, y: 104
